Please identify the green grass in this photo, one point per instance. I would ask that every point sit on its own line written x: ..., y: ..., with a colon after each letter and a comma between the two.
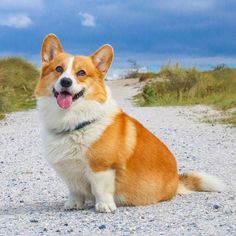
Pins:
x: 17, y: 82
x: 182, y: 86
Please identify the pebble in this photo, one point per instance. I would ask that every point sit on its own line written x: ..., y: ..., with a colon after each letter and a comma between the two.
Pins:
x: 102, y: 226
x: 34, y: 221
x: 216, y: 207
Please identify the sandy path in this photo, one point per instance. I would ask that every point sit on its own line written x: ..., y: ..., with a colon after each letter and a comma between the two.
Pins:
x: 32, y: 196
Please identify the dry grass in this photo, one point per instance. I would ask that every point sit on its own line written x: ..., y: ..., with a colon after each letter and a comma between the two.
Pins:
x: 17, y: 82
x: 190, y: 86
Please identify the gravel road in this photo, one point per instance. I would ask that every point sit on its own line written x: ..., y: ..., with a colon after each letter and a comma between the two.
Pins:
x: 32, y: 196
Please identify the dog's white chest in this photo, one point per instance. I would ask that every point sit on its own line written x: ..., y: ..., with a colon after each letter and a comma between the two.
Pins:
x: 66, y: 153
x: 74, y: 173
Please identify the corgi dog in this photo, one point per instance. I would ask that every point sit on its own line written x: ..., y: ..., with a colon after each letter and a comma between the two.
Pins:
x: 106, y: 158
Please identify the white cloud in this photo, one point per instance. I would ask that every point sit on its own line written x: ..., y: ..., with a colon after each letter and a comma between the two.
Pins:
x: 87, y: 20
x: 20, y: 4
x: 16, y: 21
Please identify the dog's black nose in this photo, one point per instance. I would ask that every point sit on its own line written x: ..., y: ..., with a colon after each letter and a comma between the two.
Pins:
x: 66, y: 82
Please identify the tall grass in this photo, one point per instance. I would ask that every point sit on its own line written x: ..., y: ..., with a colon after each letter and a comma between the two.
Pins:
x: 182, y: 86
x: 17, y: 81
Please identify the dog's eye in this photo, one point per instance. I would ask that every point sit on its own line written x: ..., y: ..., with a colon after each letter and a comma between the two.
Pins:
x: 81, y: 73
x: 59, y: 69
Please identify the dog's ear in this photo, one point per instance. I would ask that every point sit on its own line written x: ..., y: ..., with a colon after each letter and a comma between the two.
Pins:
x: 50, y: 48
x: 103, y: 57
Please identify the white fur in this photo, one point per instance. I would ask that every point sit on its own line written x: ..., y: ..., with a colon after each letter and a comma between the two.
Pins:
x: 103, y: 188
x: 209, y: 183
x: 66, y: 151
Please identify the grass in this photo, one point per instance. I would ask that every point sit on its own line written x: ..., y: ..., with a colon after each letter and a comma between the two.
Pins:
x: 231, y: 119
x: 146, y: 76
x: 17, y: 82
x: 182, y: 86
x: 227, y: 118
x: 142, y: 76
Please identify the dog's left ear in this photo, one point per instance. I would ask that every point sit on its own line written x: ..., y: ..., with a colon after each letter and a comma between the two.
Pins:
x: 50, y: 48
x: 103, y: 57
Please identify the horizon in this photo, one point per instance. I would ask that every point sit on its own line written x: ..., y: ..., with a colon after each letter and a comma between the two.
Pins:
x: 200, y: 34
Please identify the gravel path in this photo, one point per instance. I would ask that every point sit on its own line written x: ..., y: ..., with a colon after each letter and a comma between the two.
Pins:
x: 32, y: 196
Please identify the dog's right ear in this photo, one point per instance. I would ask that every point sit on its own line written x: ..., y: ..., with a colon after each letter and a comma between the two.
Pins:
x: 50, y: 48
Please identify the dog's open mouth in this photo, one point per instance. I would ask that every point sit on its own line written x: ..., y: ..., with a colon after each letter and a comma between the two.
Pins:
x: 65, y: 99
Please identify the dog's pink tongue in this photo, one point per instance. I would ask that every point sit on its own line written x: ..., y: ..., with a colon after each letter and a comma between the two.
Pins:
x: 64, y: 100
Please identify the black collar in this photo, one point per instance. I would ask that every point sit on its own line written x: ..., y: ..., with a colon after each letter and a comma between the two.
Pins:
x: 79, y: 126
x: 83, y: 124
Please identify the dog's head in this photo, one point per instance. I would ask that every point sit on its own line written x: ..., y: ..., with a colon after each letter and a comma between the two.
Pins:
x: 69, y: 79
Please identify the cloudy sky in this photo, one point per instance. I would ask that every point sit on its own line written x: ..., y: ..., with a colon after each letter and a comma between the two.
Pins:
x: 195, y: 32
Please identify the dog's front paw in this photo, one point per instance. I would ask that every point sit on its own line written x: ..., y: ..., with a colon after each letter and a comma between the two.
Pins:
x: 73, y: 203
x: 105, y: 207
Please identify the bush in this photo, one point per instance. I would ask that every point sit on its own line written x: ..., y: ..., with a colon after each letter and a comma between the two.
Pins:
x: 146, y: 76
x: 17, y: 82
x: 190, y: 86
x: 150, y: 93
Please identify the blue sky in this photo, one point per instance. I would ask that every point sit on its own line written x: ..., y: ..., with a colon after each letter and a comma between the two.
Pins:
x: 195, y: 32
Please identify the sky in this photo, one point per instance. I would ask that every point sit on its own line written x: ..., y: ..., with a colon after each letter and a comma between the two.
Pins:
x: 198, y: 33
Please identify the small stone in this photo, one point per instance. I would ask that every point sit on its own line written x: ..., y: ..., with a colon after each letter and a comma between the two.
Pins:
x: 102, y: 226
x: 65, y: 224
x: 215, y: 206
x: 34, y: 221
x: 45, y: 229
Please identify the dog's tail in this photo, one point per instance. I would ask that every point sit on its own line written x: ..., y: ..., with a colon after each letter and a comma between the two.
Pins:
x: 194, y: 181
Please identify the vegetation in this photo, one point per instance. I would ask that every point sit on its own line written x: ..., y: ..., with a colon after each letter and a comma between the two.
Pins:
x: 180, y: 86
x: 230, y: 119
x: 134, y: 72
x: 17, y: 82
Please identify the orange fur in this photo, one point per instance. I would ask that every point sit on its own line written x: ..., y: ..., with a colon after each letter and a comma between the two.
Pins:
x: 48, y: 75
x: 94, y: 79
x: 145, y: 169
x: 191, y: 182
